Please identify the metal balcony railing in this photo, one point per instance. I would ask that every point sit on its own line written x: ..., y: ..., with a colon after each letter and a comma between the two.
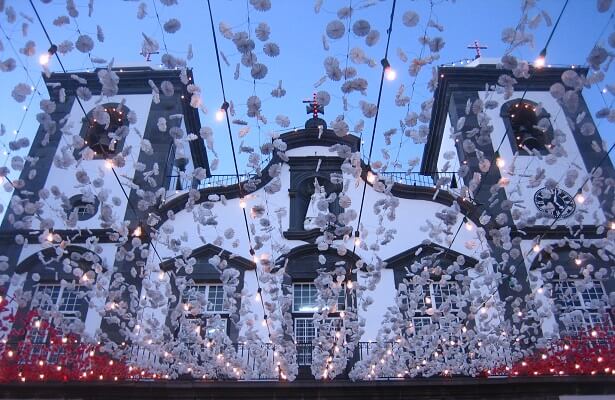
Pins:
x: 440, y: 180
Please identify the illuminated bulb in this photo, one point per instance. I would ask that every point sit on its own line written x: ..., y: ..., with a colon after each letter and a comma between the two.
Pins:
x: 109, y: 164
x: 258, y: 296
x: 255, y: 259
x: 43, y: 59
x: 349, y: 284
x: 219, y: 115
x: 137, y: 232
x: 500, y: 162
x: 540, y: 60
x: 390, y: 74
x: 577, y: 261
x: 536, y: 248
x: 264, y: 322
x: 580, y: 198
x: 371, y: 178
x: 37, y: 324
x: 50, y: 237
x: 10, y: 353
x: 242, y: 203
x: 357, y: 241
x: 468, y: 225
x: 613, y: 225
x: 161, y: 275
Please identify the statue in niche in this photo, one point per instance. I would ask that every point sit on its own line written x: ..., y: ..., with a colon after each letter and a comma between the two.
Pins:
x: 312, y: 211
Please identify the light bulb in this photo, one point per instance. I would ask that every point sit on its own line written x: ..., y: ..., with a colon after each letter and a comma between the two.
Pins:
x: 613, y: 225
x: 500, y: 162
x: 541, y: 59
x: 580, y: 198
x: 390, y: 74
x: 137, y: 232
x: 264, y: 322
x: 371, y: 178
x: 257, y: 297
x: 255, y: 259
x: 44, y: 58
x: 578, y: 261
x: 349, y: 284
x: 220, y: 115
x: 242, y: 203
x: 536, y: 248
x: 109, y: 164
x: 357, y: 241
x: 468, y: 225
x: 50, y: 237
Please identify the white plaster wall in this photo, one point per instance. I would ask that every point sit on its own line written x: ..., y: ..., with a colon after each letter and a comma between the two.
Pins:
x: 526, y: 166
x: 65, y: 178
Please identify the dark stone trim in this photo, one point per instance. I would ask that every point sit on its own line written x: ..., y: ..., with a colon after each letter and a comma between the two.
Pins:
x: 7, y: 236
x: 401, y: 260
x: 543, y: 388
x: 206, y: 273
x: 455, y: 79
x: 211, y: 249
x: 32, y: 263
x: 559, y: 232
x: 303, y: 262
x: 133, y: 80
x: 306, y: 236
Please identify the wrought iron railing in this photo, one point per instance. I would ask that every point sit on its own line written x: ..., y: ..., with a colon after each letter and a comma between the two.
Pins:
x: 440, y: 180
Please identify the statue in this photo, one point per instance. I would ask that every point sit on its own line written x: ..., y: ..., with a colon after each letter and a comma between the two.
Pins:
x: 312, y: 211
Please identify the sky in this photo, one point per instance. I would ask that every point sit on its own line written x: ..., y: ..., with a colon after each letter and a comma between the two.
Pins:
x: 298, y: 31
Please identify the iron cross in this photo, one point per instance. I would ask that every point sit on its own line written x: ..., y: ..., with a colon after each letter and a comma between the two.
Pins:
x: 476, y: 46
x: 313, y: 107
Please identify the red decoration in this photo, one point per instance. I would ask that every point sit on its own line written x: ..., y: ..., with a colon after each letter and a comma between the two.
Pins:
x: 589, y: 353
x: 59, y: 358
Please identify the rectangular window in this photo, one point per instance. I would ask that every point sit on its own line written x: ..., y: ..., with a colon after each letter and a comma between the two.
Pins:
x: 574, y: 295
x: 209, y: 295
x: 305, y: 298
x: 444, y: 293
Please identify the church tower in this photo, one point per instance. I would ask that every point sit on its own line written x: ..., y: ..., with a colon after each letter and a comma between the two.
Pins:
x: 532, y: 158
x: 111, y: 143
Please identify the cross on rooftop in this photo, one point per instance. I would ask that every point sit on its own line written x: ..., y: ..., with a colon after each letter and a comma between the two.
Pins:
x: 148, y: 56
x: 312, y: 107
x: 477, y: 47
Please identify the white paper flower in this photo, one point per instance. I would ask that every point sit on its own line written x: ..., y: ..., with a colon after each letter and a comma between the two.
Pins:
x: 100, y: 35
x: 271, y: 49
x: 372, y: 38
x: 410, y: 19
x: 225, y: 30
x: 368, y: 109
x: 167, y: 88
x: 61, y: 20
x: 84, y: 44
x: 323, y: 97
x: 21, y: 91
x: 254, y: 106
x: 172, y: 25
x: 262, y: 31
x: 29, y: 48
x: 258, y: 71
x: 261, y: 5
x: 8, y: 65
x: 142, y: 10
x: 283, y: 121
x: 65, y: 47
x: 335, y: 29
x: 361, y: 27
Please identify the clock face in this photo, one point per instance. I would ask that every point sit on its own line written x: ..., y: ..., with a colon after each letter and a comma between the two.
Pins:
x: 556, y: 203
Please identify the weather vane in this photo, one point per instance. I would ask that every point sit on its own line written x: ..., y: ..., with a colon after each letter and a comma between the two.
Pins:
x: 312, y: 107
x: 477, y: 47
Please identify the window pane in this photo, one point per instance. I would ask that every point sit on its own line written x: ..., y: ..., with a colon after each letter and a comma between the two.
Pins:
x: 591, y: 294
x: 48, y: 296
x: 215, y: 298
x: 71, y: 301
x: 304, y: 333
x: 566, y: 294
x: 443, y: 293
x: 304, y: 297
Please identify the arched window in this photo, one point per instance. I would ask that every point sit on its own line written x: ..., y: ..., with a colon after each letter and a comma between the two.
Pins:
x: 528, y: 126
x: 317, y: 290
x: 84, y: 207
x: 203, y: 306
x: 105, y: 129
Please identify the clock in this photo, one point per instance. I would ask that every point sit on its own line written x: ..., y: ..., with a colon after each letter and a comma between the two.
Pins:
x: 556, y: 203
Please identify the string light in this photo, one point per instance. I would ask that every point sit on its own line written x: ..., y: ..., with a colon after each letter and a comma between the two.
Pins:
x: 536, y: 248
x: 44, y: 58
x: 357, y: 239
x: 499, y: 161
x: 389, y: 73
x: 371, y: 178
x: 258, y: 294
x: 467, y: 224
x: 137, y: 232
x: 541, y: 59
x: 580, y: 198
x: 242, y: 203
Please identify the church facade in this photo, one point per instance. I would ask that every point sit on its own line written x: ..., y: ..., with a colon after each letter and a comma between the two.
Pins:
x: 317, y: 275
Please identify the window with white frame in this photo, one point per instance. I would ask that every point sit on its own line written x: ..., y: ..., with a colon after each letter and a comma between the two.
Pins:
x: 582, y: 301
x: 205, y: 310
x: 66, y: 299
x: 436, y: 296
x: 305, y: 304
